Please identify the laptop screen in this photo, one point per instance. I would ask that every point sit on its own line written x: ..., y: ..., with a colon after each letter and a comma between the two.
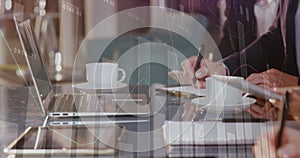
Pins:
x: 35, y: 62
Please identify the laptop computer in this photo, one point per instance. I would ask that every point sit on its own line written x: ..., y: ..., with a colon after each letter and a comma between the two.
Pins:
x: 69, y: 105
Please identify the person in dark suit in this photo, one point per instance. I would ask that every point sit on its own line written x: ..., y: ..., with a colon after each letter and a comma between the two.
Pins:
x: 231, y: 40
x: 275, y: 50
x: 271, y: 61
x: 278, y: 52
x: 255, y: 20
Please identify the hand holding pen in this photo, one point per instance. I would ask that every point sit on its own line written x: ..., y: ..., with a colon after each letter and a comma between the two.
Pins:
x: 287, y: 140
x: 196, y: 69
x: 283, y: 120
x: 201, y: 51
x: 283, y: 141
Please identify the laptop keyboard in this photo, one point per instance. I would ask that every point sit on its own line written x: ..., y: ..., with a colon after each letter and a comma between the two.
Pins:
x: 79, y: 103
x: 69, y: 105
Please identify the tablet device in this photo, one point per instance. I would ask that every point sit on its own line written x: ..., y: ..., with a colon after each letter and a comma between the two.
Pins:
x: 67, y: 141
x: 253, y: 89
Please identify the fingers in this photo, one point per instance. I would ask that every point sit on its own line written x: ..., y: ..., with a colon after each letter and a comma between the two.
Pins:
x: 254, y: 77
x: 260, y: 102
x: 200, y: 84
x: 294, y: 104
x: 258, y: 78
x: 264, y: 148
x: 265, y: 79
x: 273, y: 79
x: 202, y: 73
x: 289, y: 150
x: 259, y: 112
x: 188, y: 67
x: 179, y: 77
x: 272, y: 114
x: 189, y: 112
x: 188, y: 72
x: 291, y: 143
x: 206, y: 69
x: 257, y: 109
x: 291, y: 133
x: 254, y: 113
x: 268, y: 86
x: 295, y: 95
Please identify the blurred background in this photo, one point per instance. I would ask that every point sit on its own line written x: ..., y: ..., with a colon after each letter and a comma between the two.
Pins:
x: 62, y: 25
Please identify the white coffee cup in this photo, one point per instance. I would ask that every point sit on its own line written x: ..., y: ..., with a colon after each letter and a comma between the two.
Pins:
x: 221, y: 93
x: 104, y: 75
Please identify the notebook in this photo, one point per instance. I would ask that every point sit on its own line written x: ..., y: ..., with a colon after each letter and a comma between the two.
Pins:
x: 212, y: 132
x: 192, y: 135
x: 68, y: 105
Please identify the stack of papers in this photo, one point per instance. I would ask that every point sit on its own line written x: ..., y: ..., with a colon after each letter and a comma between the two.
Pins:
x: 212, y: 132
x: 181, y: 136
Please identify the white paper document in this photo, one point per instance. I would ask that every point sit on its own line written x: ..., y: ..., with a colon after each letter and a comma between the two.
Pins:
x: 212, y: 133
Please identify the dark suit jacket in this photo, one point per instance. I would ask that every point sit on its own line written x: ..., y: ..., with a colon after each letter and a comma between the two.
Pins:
x: 232, y: 41
x: 275, y: 49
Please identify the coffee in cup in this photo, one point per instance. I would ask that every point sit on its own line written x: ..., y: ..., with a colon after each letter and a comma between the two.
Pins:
x: 104, y: 75
x: 220, y: 93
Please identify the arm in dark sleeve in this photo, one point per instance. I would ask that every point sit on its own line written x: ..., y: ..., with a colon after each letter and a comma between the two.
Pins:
x: 225, y: 45
x: 262, y: 54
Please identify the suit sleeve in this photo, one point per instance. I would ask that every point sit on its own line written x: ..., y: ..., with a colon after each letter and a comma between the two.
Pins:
x: 264, y: 53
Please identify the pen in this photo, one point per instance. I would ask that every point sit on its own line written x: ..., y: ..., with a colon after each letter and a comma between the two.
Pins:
x: 177, y: 93
x: 199, y: 57
x: 232, y: 120
x: 283, y: 119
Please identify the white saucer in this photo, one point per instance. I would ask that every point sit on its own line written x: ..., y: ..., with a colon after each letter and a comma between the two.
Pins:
x: 88, y: 87
x: 205, y: 103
